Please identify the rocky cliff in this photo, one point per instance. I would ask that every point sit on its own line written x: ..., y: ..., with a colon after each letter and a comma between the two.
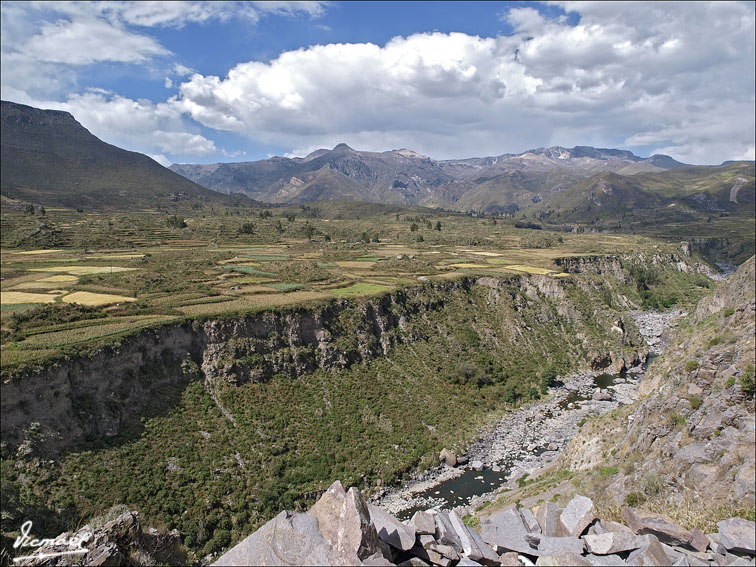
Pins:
x: 101, y: 395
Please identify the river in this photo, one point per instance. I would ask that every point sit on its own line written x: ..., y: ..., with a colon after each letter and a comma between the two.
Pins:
x: 528, y: 438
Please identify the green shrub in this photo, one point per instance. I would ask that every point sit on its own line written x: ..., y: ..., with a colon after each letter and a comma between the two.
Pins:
x: 676, y: 419
x: 176, y: 222
x: 747, y: 381
x: 691, y: 365
x: 608, y: 471
x: 729, y: 311
x: 247, y: 228
x: 695, y: 401
x: 730, y: 382
x: 634, y: 499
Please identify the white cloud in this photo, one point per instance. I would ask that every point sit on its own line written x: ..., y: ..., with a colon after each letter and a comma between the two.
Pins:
x: 646, y: 74
x: 181, y: 70
x: 161, y: 159
x: 650, y: 76
x: 42, y: 43
x: 84, y: 42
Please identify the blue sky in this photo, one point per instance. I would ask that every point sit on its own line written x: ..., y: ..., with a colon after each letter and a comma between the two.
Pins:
x: 230, y: 81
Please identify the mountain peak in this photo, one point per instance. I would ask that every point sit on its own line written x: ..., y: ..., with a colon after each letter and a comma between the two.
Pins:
x: 342, y: 147
x: 408, y: 153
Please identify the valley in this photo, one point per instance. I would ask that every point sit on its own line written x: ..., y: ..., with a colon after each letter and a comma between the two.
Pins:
x: 208, y: 360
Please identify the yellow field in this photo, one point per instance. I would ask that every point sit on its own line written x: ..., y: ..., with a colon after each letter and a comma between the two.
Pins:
x: 529, y: 269
x: 467, y: 265
x: 60, y: 278
x: 95, y: 299
x: 252, y: 302
x: 83, y: 270
x: 16, y: 297
x: 77, y: 335
x: 37, y: 285
x: 39, y: 251
x: 9, y: 356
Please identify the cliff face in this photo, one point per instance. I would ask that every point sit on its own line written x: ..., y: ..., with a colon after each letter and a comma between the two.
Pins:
x: 102, y: 395
x: 688, y: 446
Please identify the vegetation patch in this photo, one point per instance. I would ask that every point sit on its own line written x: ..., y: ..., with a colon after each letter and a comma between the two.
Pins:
x: 359, y: 289
x: 282, y: 286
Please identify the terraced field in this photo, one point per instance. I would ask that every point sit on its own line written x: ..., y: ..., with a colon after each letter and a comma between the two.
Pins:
x: 145, y: 270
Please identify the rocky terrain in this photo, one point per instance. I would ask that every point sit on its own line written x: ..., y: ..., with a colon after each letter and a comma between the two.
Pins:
x: 62, y: 404
x: 406, y: 177
x: 690, y: 440
x: 343, y: 529
x: 707, y: 457
x: 49, y: 158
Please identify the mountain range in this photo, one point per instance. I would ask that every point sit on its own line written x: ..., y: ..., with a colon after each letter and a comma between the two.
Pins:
x: 502, y: 183
x: 49, y: 158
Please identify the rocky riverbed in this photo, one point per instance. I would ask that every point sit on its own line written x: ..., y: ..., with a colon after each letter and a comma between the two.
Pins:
x: 529, y: 438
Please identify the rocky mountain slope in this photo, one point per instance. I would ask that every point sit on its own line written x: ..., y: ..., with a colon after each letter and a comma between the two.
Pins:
x: 681, y: 194
x: 342, y: 528
x: 686, y: 448
x: 49, y: 159
x: 503, y: 182
x: 689, y: 444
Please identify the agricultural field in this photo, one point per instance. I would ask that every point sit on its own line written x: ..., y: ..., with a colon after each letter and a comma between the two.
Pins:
x: 105, y: 275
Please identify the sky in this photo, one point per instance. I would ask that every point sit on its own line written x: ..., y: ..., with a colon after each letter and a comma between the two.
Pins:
x: 208, y: 82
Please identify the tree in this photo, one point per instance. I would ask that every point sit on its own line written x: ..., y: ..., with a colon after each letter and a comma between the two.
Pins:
x: 29, y: 210
x: 413, y: 227
x: 438, y: 226
x: 176, y: 222
x: 291, y: 217
x: 42, y: 211
x: 247, y: 228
